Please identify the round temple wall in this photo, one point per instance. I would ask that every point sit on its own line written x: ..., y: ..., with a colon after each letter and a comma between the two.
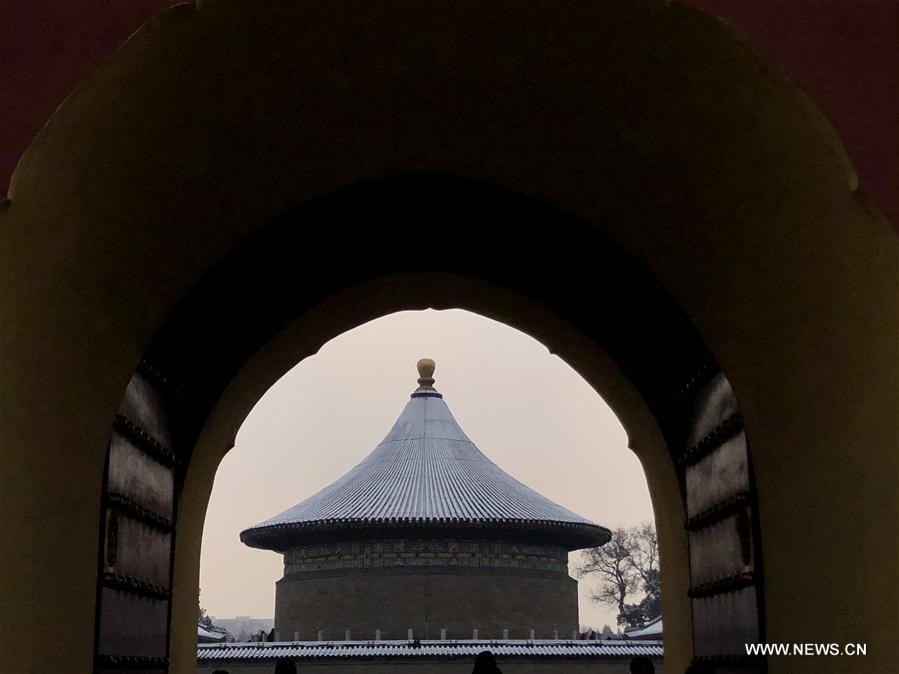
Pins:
x: 438, y: 588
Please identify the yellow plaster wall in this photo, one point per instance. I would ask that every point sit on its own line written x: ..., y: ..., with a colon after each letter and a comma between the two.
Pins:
x: 651, y: 121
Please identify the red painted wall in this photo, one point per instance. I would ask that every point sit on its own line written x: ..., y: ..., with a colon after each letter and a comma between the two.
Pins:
x: 46, y: 48
x: 844, y: 53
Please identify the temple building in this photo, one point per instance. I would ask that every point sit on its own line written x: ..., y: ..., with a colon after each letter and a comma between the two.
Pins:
x: 420, y: 557
x: 428, y: 539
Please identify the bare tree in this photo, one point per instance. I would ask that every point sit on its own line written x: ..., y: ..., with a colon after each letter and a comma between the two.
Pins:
x: 644, y: 557
x: 612, y: 562
x: 628, y: 565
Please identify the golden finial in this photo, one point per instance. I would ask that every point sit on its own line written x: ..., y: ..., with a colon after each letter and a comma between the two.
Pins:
x: 425, y: 375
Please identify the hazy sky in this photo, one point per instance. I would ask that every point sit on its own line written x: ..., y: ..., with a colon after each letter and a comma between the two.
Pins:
x: 527, y: 410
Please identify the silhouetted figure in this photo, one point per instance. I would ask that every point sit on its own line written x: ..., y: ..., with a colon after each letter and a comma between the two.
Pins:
x: 485, y: 663
x: 700, y: 668
x: 285, y: 666
x: 642, y: 665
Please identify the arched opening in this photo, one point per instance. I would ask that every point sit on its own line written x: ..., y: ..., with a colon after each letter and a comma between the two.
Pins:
x: 525, y: 408
x: 258, y: 312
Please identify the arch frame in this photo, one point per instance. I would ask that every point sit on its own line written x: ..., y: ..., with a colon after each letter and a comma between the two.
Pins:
x: 566, y: 284
x: 415, y: 290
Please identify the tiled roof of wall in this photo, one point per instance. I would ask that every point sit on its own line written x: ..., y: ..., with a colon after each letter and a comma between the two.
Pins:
x: 264, y: 652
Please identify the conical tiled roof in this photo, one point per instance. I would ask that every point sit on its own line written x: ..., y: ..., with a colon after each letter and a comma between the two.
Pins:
x: 426, y: 474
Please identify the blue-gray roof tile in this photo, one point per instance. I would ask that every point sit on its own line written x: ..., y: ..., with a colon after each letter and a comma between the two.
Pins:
x: 425, y: 473
x: 269, y: 652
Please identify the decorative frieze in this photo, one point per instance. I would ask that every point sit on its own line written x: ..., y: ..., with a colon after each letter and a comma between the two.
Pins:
x: 378, y: 554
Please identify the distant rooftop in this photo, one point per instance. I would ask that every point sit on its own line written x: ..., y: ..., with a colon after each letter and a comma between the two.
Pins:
x: 205, y: 635
x: 211, y: 654
x: 651, y: 630
x: 426, y: 474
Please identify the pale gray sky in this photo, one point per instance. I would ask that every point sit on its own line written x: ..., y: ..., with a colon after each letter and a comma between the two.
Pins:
x: 526, y: 409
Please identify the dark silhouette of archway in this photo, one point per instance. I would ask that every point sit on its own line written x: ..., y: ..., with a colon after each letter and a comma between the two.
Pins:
x: 425, y: 240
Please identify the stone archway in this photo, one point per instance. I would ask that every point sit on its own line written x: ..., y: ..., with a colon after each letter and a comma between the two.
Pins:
x: 586, y: 295
x: 653, y: 125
